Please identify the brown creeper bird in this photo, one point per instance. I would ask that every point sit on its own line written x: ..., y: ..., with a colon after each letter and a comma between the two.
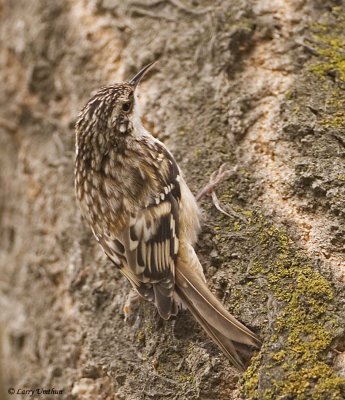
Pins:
x: 142, y: 213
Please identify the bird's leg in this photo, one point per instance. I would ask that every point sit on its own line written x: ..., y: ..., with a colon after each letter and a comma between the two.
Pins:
x: 216, y: 178
x: 131, y: 305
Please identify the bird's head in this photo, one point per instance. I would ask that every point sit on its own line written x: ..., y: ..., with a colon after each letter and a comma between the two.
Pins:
x: 112, y: 112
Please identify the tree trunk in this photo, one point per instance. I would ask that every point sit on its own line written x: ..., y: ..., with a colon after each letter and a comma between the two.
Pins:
x: 256, y: 84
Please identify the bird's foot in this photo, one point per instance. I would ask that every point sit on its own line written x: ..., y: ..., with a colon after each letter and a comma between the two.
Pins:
x: 216, y: 178
x: 131, y: 304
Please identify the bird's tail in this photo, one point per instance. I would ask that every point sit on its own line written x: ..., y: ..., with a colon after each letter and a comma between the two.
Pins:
x: 219, y: 324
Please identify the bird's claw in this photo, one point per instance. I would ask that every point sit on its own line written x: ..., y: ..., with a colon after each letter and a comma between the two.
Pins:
x: 131, y: 304
x: 216, y: 178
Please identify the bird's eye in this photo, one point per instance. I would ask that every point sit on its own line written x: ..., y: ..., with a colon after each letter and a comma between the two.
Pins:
x: 127, y: 106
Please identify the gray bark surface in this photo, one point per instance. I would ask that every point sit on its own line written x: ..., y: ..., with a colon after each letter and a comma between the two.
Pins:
x: 256, y: 84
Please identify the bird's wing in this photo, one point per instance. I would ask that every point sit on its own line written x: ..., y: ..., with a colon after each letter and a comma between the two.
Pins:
x: 147, y: 247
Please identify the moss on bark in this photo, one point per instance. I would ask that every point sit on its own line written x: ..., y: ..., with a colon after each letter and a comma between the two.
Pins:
x: 294, y: 357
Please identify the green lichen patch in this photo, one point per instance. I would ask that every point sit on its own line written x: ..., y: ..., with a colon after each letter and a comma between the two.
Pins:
x: 328, y: 41
x: 294, y: 356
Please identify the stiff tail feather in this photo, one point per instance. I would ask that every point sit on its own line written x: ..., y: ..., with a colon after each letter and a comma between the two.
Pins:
x: 218, y: 323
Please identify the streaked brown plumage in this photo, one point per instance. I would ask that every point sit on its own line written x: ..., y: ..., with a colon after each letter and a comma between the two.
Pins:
x: 143, y: 214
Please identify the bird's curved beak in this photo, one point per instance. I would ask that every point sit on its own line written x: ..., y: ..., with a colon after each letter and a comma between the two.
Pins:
x: 137, y: 78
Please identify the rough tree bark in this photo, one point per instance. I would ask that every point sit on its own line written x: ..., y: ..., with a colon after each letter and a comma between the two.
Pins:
x: 256, y: 84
